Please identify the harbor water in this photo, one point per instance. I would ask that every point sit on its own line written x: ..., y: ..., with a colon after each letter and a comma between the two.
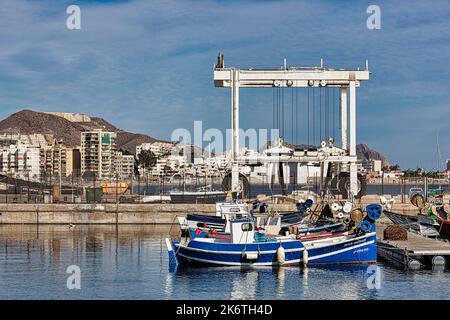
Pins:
x: 130, y: 262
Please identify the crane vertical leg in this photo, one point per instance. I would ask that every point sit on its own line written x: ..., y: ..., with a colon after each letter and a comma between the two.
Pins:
x: 344, y: 117
x: 352, y: 146
x: 235, y: 186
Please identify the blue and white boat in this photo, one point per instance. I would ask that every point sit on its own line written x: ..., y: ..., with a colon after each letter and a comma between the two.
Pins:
x: 227, y: 210
x: 247, y: 246
x: 224, y: 211
x: 244, y: 247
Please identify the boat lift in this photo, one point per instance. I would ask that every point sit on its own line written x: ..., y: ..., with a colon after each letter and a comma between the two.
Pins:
x: 296, y: 77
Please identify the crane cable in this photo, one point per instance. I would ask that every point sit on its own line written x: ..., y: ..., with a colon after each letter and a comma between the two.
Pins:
x: 292, y: 115
x: 307, y: 118
x: 320, y: 114
x: 314, y: 116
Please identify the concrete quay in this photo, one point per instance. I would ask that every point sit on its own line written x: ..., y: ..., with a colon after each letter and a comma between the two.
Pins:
x: 156, y: 213
x: 105, y: 213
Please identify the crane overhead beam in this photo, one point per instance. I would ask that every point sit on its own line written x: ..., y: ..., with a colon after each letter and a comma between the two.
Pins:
x: 295, y: 78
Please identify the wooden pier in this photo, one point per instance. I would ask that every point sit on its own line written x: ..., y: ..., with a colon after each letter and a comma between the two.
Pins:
x: 415, y: 252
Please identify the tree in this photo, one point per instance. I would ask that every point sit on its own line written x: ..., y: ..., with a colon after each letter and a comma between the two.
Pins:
x: 146, y: 159
x: 394, y: 167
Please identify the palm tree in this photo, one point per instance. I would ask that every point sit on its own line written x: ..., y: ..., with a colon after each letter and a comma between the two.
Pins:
x: 146, y: 159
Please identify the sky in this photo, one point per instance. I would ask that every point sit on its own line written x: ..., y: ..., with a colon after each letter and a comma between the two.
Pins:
x: 146, y: 66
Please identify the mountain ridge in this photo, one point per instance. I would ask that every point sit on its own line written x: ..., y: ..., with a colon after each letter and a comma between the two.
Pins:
x: 27, y: 121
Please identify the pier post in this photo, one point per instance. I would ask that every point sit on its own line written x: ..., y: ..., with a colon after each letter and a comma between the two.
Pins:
x: 235, y: 130
x: 352, y: 144
x: 344, y: 117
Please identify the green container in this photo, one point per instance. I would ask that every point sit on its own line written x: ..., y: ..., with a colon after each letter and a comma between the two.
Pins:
x: 94, y: 194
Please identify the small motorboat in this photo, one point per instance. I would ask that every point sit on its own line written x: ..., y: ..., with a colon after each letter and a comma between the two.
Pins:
x: 444, y: 228
x: 248, y: 244
x: 201, y: 195
x: 226, y: 210
x: 441, y: 217
x: 415, y: 190
x: 420, y: 224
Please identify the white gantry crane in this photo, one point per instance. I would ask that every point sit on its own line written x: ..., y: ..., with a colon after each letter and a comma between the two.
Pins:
x: 300, y: 77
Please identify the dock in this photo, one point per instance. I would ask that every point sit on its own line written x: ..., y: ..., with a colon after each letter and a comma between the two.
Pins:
x: 415, y: 252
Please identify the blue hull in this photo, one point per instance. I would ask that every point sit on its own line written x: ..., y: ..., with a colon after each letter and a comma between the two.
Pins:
x: 359, y: 250
x: 232, y: 254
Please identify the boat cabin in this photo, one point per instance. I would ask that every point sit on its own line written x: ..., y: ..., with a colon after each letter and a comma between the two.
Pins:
x: 271, y: 224
x: 242, y: 230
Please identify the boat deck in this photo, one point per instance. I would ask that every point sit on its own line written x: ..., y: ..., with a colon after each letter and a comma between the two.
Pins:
x: 417, y: 249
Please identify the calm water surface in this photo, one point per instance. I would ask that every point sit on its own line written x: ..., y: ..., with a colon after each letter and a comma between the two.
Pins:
x: 130, y: 262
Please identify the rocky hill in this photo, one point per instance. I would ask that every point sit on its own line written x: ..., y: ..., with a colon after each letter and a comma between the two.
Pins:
x: 365, y: 153
x: 29, y: 122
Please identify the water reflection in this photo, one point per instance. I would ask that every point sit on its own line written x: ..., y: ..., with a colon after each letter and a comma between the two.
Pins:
x: 281, y: 282
x: 130, y: 262
x: 244, y: 287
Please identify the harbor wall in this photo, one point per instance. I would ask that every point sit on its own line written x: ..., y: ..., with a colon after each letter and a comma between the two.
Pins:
x: 105, y: 213
x: 122, y: 213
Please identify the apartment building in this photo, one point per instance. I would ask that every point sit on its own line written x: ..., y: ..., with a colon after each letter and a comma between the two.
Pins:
x: 20, y: 160
x: 55, y: 159
x: 158, y: 148
x: 124, y: 165
x: 98, y: 150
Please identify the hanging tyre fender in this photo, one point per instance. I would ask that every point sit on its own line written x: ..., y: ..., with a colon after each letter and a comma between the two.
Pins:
x: 226, y: 183
x: 344, y: 184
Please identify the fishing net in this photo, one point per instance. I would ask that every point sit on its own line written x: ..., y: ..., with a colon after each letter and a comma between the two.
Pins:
x: 395, y: 232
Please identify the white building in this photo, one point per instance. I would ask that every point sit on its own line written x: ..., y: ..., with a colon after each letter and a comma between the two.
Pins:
x: 158, y: 148
x: 21, y: 161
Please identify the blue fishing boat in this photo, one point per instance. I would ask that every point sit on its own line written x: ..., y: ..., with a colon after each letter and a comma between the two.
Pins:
x: 247, y: 245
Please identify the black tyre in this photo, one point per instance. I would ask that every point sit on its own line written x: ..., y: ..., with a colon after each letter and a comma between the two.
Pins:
x: 344, y: 185
x: 245, y: 185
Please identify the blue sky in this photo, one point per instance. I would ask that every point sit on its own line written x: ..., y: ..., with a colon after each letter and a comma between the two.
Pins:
x: 146, y: 65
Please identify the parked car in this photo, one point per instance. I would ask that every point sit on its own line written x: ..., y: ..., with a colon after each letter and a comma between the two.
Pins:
x: 414, y: 191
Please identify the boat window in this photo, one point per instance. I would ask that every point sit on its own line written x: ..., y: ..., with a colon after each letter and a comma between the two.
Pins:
x: 273, y: 221
x: 246, y: 227
x: 263, y: 221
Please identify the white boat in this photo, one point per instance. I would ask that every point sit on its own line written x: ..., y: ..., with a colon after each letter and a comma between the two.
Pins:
x: 199, y: 196
x: 156, y: 199
x: 225, y: 210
